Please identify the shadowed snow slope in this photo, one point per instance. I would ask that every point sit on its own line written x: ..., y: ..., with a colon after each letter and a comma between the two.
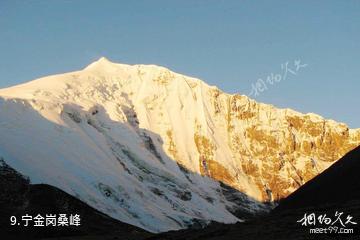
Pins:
x: 150, y: 147
x: 18, y: 198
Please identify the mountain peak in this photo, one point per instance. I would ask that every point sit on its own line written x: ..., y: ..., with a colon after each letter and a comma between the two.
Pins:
x: 101, y: 63
x: 149, y: 146
x: 103, y: 60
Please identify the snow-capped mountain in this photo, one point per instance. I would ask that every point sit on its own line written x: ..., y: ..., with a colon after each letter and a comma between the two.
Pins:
x: 161, y: 150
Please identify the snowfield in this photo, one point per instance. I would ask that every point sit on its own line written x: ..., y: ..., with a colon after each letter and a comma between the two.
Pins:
x: 157, y: 149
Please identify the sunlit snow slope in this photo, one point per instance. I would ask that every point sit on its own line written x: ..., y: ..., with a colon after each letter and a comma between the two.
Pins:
x: 150, y: 147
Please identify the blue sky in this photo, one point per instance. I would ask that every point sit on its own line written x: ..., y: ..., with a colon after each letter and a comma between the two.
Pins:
x: 230, y: 44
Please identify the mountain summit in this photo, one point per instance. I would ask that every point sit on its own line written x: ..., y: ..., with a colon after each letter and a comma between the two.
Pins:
x: 102, y: 63
x: 161, y: 150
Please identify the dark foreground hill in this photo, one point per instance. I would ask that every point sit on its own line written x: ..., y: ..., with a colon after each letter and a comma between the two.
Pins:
x: 338, y: 184
x: 18, y: 197
x: 337, y: 189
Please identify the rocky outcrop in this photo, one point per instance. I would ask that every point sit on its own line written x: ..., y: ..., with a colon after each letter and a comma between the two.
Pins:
x: 280, y: 149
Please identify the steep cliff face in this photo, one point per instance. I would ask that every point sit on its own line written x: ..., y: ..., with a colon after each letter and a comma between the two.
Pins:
x: 280, y: 149
x: 172, y: 132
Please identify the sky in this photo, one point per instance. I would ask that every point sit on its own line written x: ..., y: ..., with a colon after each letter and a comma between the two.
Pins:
x: 302, y: 55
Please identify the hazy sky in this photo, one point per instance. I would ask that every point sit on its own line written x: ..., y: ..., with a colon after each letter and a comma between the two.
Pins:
x: 230, y: 44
